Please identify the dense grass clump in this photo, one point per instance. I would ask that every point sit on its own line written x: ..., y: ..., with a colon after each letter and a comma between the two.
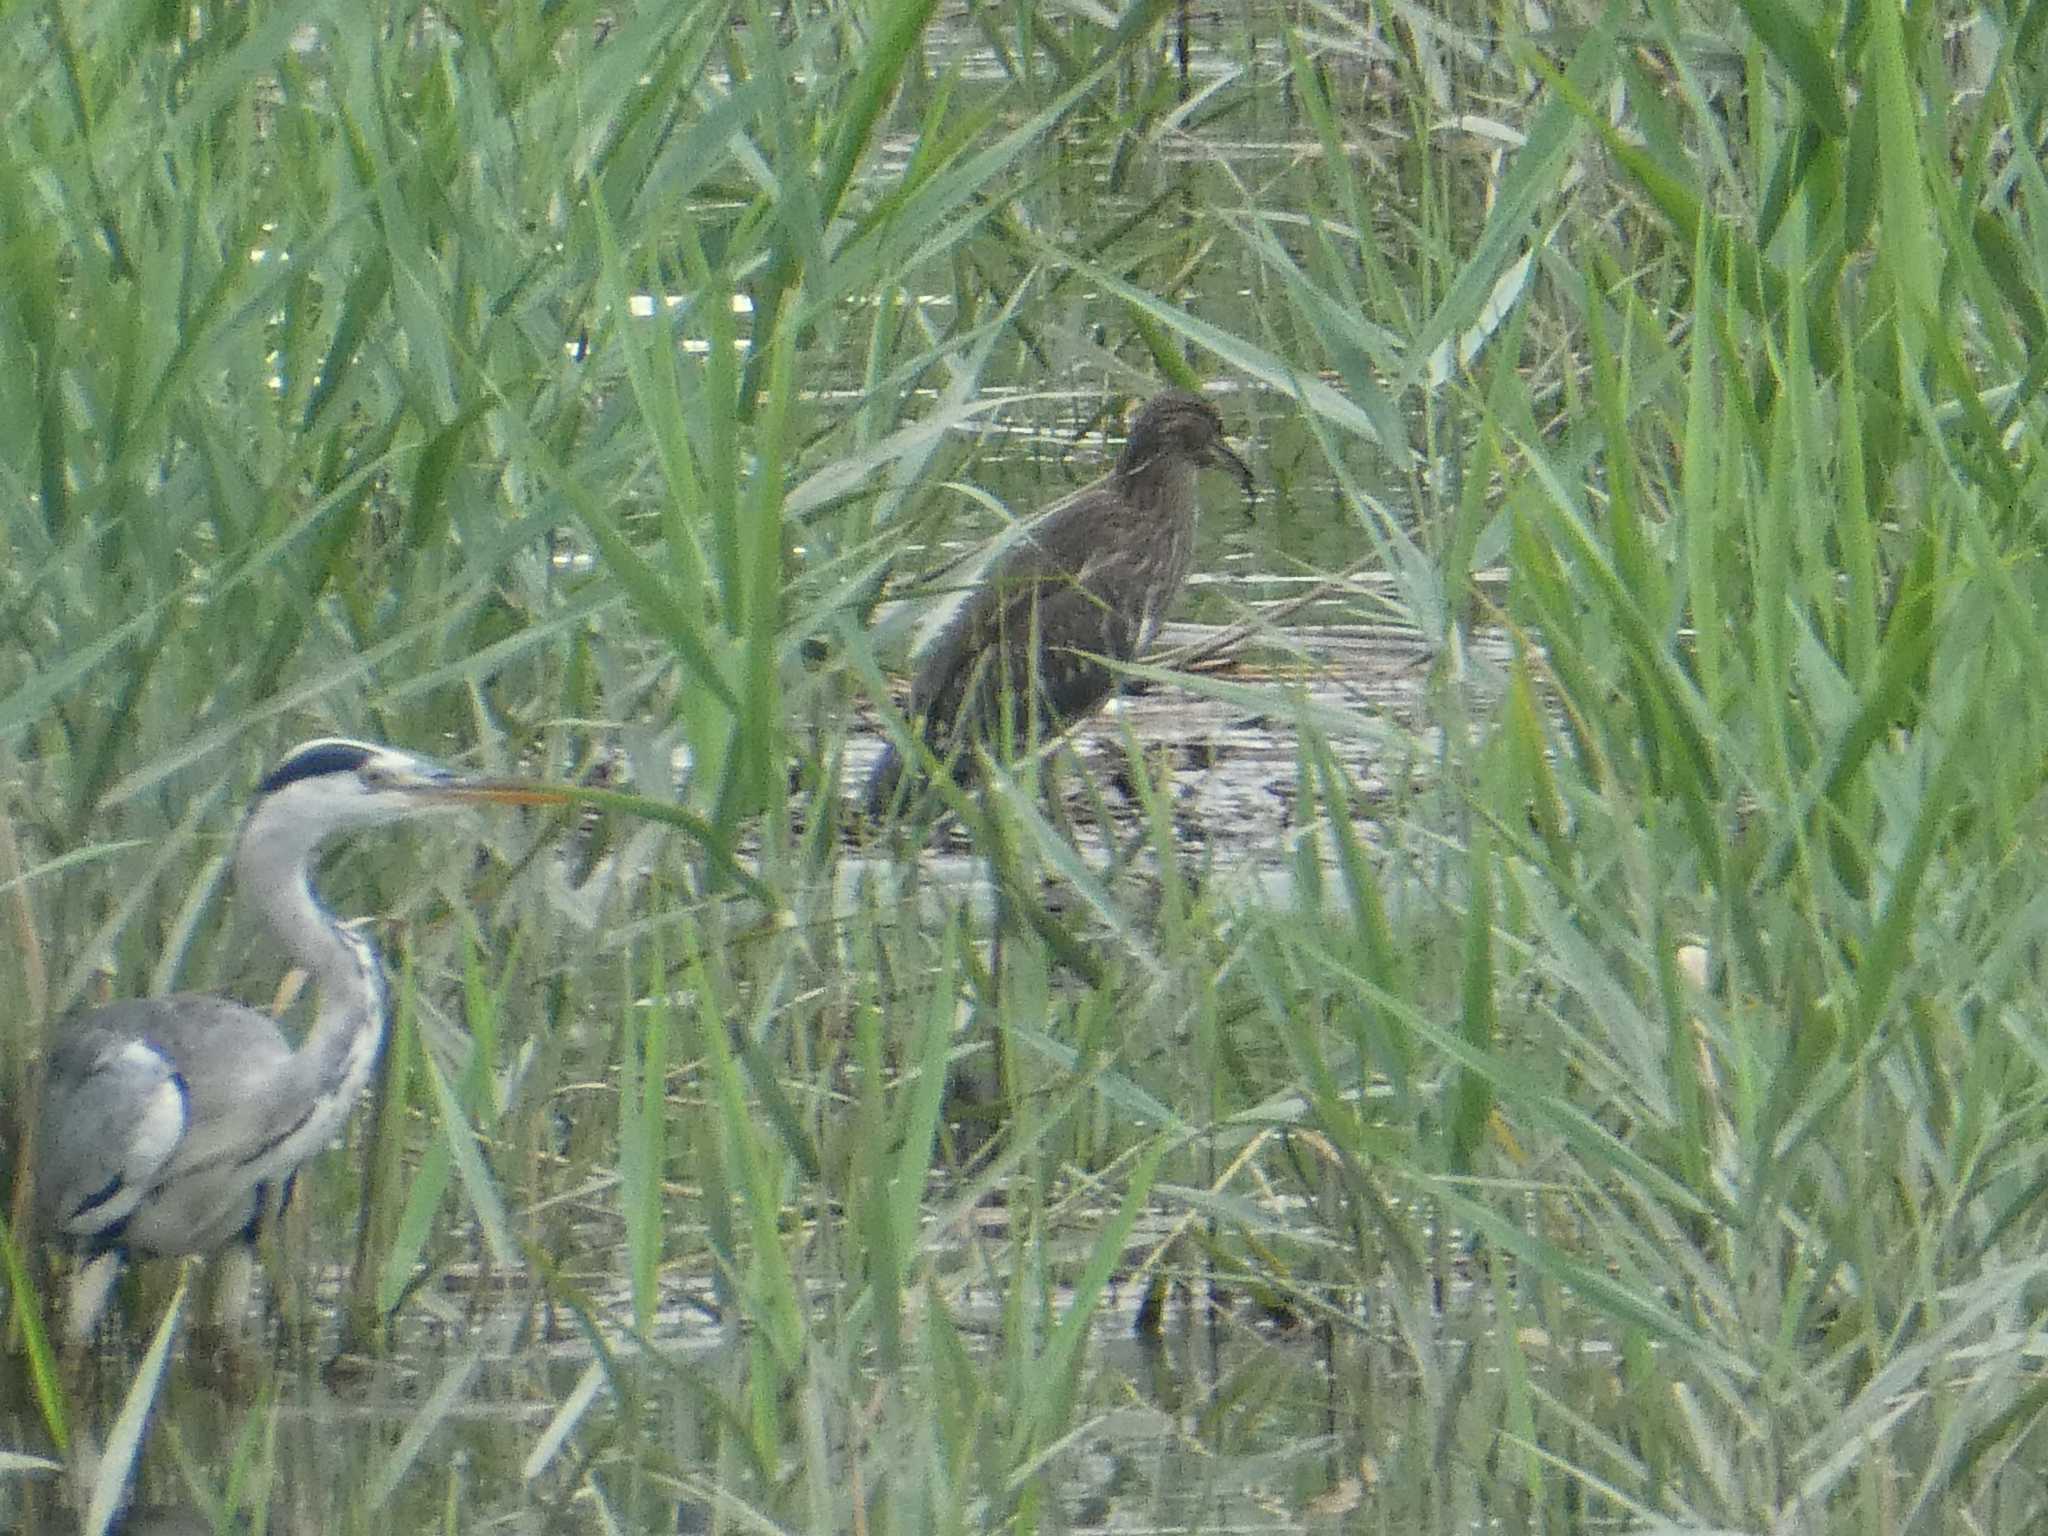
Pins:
x: 1631, y: 1113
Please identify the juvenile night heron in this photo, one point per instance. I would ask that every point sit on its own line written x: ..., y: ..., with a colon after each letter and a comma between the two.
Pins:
x: 1087, y: 584
x: 174, y: 1125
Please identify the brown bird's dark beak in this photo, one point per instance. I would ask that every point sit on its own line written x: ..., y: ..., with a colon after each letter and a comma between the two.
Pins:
x: 1227, y: 459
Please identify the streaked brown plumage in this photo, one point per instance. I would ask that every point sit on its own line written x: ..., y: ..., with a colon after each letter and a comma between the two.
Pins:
x: 1091, y: 579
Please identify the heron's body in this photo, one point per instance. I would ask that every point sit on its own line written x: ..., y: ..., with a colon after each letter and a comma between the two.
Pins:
x: 174, y: 1125
x: 1033, y: 648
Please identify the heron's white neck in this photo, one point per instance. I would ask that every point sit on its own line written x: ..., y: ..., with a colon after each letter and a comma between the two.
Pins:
x: 333, y: 1064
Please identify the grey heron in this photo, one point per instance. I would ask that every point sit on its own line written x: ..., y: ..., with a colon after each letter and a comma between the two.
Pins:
x: 174, y: 1125
x: 1090, y: 578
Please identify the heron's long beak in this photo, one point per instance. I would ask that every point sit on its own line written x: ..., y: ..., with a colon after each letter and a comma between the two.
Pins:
x: 493, y: 792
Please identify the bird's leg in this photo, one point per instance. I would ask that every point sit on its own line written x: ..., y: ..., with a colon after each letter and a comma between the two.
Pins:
x: 222, y: 1347
x: 87, y: 1291
x: 1096, y: 807
x: 1145, y: 780
x: 975, y: 1103
x: 236, y: 1285
x: 90, y: 1288
x: 1051, y: 783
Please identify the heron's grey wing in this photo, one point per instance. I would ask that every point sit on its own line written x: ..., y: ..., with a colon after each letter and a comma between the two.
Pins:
x: 112, y: 1086
x: 229, y: 1054
x: 243, y: 1096
x: 114, y: 1110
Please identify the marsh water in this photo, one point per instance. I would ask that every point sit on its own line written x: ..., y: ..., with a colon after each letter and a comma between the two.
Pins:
x: 1221, y: 1423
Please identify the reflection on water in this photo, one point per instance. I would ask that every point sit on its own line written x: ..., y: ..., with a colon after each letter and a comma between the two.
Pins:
x: 1220, y: 1423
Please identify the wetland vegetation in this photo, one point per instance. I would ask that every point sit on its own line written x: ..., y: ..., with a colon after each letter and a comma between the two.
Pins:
x: 1608, y: 1090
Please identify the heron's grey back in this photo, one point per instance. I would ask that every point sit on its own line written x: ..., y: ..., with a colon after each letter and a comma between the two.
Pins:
x: 113, y: 1112
x: 149, y: 1091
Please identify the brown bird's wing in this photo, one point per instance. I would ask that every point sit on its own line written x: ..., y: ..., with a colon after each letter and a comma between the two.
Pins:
x: 1020, y: 658
x: 1038, y: 611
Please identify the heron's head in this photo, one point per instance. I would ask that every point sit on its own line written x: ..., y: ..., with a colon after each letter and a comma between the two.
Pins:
x: 332, y: 785
x: 1179, y: 423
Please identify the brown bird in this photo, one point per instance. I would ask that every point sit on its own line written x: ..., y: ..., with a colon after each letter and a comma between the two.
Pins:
x: 1086, y: 584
